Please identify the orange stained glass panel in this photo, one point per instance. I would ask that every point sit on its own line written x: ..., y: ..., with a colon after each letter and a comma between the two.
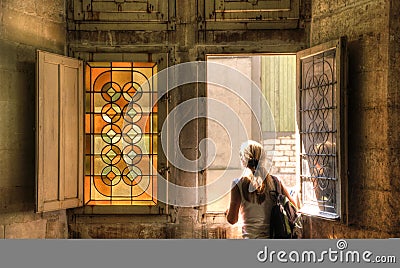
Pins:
x: 154, y: 159
x: 99, y: 78
x: 155, y: 144
x: 122, y: 65
x: 119, y: 119
x: 87, y: 123
x: 150, y: 65
x: 155, y: 123
x: 122, y: 76
x: 155, y: 108
x: 86, y: 187
x: 102, y: 186
x: 121, y: 102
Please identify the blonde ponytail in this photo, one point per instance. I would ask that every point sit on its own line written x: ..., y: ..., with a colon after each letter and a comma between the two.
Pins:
x: 257, y: 182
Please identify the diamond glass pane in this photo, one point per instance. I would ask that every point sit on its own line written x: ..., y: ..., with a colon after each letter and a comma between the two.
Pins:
x: 121, y: 140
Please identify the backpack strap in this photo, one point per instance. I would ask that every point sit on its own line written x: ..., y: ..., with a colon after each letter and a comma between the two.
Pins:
x: 278, y: 185
x: 278, y: 189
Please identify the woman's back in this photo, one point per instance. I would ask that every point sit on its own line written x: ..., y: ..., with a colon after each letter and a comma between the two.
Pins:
x: 251, y: 193
x: 256, y: 216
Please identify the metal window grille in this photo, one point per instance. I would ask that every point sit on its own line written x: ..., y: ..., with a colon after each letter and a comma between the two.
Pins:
x: 318, y: 132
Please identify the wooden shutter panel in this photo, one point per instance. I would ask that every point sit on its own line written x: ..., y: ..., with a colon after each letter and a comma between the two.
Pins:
x: 59, y: 132
x: 322, y: 124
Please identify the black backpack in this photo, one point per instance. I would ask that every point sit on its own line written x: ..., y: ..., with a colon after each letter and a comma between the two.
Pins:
x: 285, y: 220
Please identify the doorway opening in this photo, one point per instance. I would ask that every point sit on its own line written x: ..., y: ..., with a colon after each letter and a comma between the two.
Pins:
x: 275, y: 77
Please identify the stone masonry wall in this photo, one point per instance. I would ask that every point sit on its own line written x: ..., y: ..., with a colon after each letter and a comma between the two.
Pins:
x: 24, y: 27
x: 394, y: 110
x: 372, y: 197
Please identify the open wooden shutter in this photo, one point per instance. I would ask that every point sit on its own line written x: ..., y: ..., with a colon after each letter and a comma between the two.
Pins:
x: 322, y: 124
x: 59, y: 132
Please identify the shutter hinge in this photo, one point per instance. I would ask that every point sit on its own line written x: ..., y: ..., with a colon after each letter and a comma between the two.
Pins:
x: 172, y: 24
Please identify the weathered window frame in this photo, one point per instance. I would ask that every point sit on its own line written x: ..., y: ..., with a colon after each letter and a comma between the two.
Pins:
x: 340, y: 150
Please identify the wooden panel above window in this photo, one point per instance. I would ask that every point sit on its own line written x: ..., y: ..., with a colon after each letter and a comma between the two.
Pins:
x: 251, y: 14
x: 151, y: 15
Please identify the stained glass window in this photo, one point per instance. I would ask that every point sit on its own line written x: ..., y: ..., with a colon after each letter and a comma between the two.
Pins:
x: 121, y: 134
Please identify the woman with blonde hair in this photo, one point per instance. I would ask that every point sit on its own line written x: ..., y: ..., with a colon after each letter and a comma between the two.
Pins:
x: 250, y: 194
